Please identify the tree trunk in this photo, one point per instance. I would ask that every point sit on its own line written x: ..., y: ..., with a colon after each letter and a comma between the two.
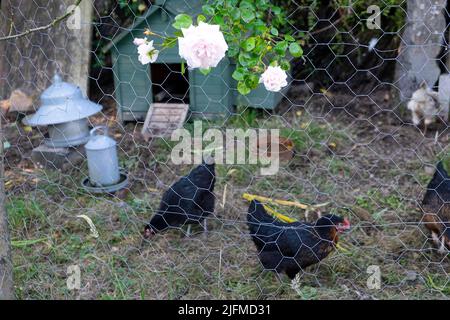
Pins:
x: 31, y: 61
x: 422, y: 41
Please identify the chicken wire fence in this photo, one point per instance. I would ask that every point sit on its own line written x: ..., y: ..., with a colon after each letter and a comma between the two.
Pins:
x: 347, y: 147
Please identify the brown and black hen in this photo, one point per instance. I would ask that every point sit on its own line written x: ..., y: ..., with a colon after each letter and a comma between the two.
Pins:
x: 436, y: 208
x: 188, y: 201
x: 291, y: 247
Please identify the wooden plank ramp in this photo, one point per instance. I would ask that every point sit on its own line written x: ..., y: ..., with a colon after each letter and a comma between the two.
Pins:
x: 164, y: 118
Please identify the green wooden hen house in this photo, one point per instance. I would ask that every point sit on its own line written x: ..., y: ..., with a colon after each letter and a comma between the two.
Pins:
x: 139, y: 86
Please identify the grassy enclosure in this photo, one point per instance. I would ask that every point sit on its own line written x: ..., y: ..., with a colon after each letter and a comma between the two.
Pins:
x: 375, y: 175
x: 356, y: 153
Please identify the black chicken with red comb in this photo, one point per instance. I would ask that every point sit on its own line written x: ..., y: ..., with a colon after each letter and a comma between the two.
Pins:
x: 291, y: 247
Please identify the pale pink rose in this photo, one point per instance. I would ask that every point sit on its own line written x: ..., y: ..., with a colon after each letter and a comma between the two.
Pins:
x: 147, y: 53
x: 202, y: 46
x: 139, y: 41
x: 274, y: 78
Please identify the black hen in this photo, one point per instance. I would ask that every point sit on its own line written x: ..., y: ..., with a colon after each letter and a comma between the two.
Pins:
x: 187, y: 201
x: 291, y: 247
x: 436, y: 207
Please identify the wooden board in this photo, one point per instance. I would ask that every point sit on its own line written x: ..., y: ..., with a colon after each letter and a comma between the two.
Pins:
x: 163, y: 118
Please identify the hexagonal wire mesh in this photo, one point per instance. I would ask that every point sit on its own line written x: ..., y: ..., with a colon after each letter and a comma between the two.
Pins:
x: 353, y: 152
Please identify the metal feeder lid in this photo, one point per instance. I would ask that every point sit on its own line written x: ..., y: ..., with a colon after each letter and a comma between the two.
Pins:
x: 62, y: 102
x: 100, y: 141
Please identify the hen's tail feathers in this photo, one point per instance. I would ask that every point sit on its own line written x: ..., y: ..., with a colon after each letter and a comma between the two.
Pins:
x: 439, y: 177
x: 441, y: 173
x: 257, y: 215
x: 203, y: 175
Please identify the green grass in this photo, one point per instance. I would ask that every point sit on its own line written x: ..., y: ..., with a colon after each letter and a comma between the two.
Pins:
x: 374, y: 200
x: 307, y: 293
x: 312, y: 135
x: 245, y: 117
x: 438, y: 283
x: 24, y: 213
x: 338, y: 166
x: 48, y: 237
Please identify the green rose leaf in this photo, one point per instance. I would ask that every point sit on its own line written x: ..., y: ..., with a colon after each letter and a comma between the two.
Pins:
x: 276, y: 10
x: 238, y: 74
x: 260, y: 46
x: 253, y: 61
x: 261, y: 3
x: 249, y: 44
x: 259, y: 27
x: 182, y: 21
x: 247, y: 15
x: 274, y: 31
x: 247, y: 4
x: 242, y: 88
x: 235, y: 14
x: 281, y: 48
x: 169, y: 42
x: 273, y: 63
x: 243, y: 59
x: 205, y: 72
x: 289, y: 38
x: 285, y: 65
x: 201, y: 18
x: 233, y: 51
x: 295, y: 49
x: 252, y: 81
x: 208, y: 10
x: 248, y: 60
x: 219, y: 20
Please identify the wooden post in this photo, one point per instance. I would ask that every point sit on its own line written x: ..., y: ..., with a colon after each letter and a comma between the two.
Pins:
x: 6, y: 277
x: 80, y: 48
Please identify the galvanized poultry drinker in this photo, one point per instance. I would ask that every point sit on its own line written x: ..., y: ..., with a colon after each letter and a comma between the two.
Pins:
x: 65, y: 111
x: 105, y: 175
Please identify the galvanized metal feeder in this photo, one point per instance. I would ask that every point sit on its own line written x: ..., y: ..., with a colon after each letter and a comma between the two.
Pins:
x: 103, y: 164
x: 64, y: 110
